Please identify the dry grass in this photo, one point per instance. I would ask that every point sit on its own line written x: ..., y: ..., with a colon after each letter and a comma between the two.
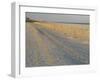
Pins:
x: 76, y: 31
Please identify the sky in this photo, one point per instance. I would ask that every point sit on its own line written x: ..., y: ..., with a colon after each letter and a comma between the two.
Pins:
x: 55, y: 17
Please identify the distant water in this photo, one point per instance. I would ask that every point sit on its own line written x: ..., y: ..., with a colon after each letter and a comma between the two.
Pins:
x: 72, y: 23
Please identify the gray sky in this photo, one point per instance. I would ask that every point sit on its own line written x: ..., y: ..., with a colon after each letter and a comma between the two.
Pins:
x: 52, y: 17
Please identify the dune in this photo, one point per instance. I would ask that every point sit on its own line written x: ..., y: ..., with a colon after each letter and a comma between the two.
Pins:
x: 76, y: 31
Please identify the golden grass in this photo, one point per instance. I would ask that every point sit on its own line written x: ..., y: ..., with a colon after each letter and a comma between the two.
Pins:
x: 76, y: 31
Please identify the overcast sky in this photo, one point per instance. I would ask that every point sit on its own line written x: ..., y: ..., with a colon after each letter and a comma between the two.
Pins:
x: 66, y: 18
